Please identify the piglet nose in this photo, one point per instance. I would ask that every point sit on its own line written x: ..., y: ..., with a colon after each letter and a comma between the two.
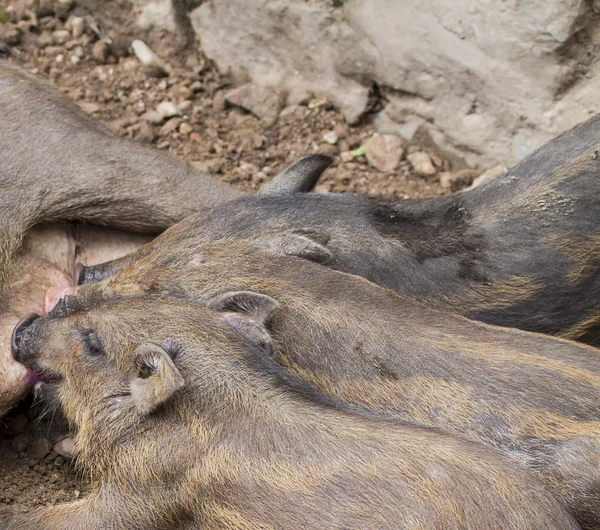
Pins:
x: 17, y: 333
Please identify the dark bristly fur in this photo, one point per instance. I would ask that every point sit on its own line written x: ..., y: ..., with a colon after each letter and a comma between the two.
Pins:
x: 533, y: 396
x: 522, y: 251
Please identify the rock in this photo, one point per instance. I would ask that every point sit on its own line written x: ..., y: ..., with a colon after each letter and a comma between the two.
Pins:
x: 144, y: 54
x: 10, y: 34
x: 384, y: 151
x: 170, y: 126
x: 168, y: 109
x: 317, y: 102
x: 421, y: 163
x: 157, y: 13
x: 20, y: 443
x: 153, y: 116
x: 219, y: 101
x: 196, y: 87
x: 180, y: 92
x: 78, y: 51
x: 45, y: 8
x: 53, y: 51
x: 60, y: 36
x: 154, y: 70
x: 65, y: 448
x: 101, y: 51
x: 212, y: 165
x: 16, y: 424
x: 489, y: 175
x: 41, y: 448
x: 146, y: 133
x: 185, y: 128
x: 452, y: 182
x: 444, y: 65
x: 263, y: 102
x: 62, y: 8
x: 88, y: 107
x: 346, y: 156
x: 78, y: 26
x: 341, y: 131
x: 330, y: 137
x: 45, y: 39
x: 298, y: 96
x: 185, y: 106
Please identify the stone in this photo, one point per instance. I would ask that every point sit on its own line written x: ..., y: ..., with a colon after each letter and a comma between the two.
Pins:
x: 331, y: 137
x: 317, y: 102
x: 264, y: 102
x: 146, y: 133
x: 298, y: 96
x: 452, y: 182
x: 170, y: 126
x: 168, y: 109
x: 185, y: 128
x: 384, y: 151
x: 180, y: 92
x: 346, y: 156
x: 62, y: 8
x: 65, y: 448
x: 45, y: 39
x: 156, y: 14
x: 185, y: 106
x: 144, y: 54
x: 153, y: 116
x: 10, y: 34
x: 212, y: 165
x: 442, y: 65
x: 101, y: 51
x: 89, y: 107
x: 489, y: 175
x: 42, y: 448
x: 61, y: 36
x: 421, y: 163
x: 78, y: 26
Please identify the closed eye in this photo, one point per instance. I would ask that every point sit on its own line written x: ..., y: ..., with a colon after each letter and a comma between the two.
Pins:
x: 92, y: 343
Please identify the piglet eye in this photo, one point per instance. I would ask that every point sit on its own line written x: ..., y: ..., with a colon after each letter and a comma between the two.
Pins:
x: 92, y: 343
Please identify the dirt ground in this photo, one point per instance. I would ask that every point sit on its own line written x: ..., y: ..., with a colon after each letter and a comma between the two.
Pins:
x: 110, y: 84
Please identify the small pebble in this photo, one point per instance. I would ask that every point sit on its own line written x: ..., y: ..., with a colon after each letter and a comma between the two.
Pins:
x: 168, y: 109
x: 144, y: 54
x: 65, y: 448
x: 101, y: 50
x: 330, y: 137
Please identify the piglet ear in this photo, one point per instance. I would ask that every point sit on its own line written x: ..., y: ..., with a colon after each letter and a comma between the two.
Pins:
x: 154, y: 379
x: 255, y: 306
x: 246, y: 313
x: 303, y: 242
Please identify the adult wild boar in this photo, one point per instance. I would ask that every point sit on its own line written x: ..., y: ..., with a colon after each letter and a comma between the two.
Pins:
x: 521, y: 251
x: 183, y: 424
x: 533, y: 396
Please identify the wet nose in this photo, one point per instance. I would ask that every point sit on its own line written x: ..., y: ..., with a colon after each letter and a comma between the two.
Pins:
x: 17, y: 334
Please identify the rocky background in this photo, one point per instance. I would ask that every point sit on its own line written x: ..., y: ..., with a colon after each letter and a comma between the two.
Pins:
x: 490, y: 80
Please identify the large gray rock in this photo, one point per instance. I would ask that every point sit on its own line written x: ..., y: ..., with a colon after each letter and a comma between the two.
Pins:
x: 490, y: 80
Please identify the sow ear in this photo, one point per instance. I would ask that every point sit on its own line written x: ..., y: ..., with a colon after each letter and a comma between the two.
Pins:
x: 246, y: 313
x: 155, y: 378
x: 301, y: 176
x: 304, y: 243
